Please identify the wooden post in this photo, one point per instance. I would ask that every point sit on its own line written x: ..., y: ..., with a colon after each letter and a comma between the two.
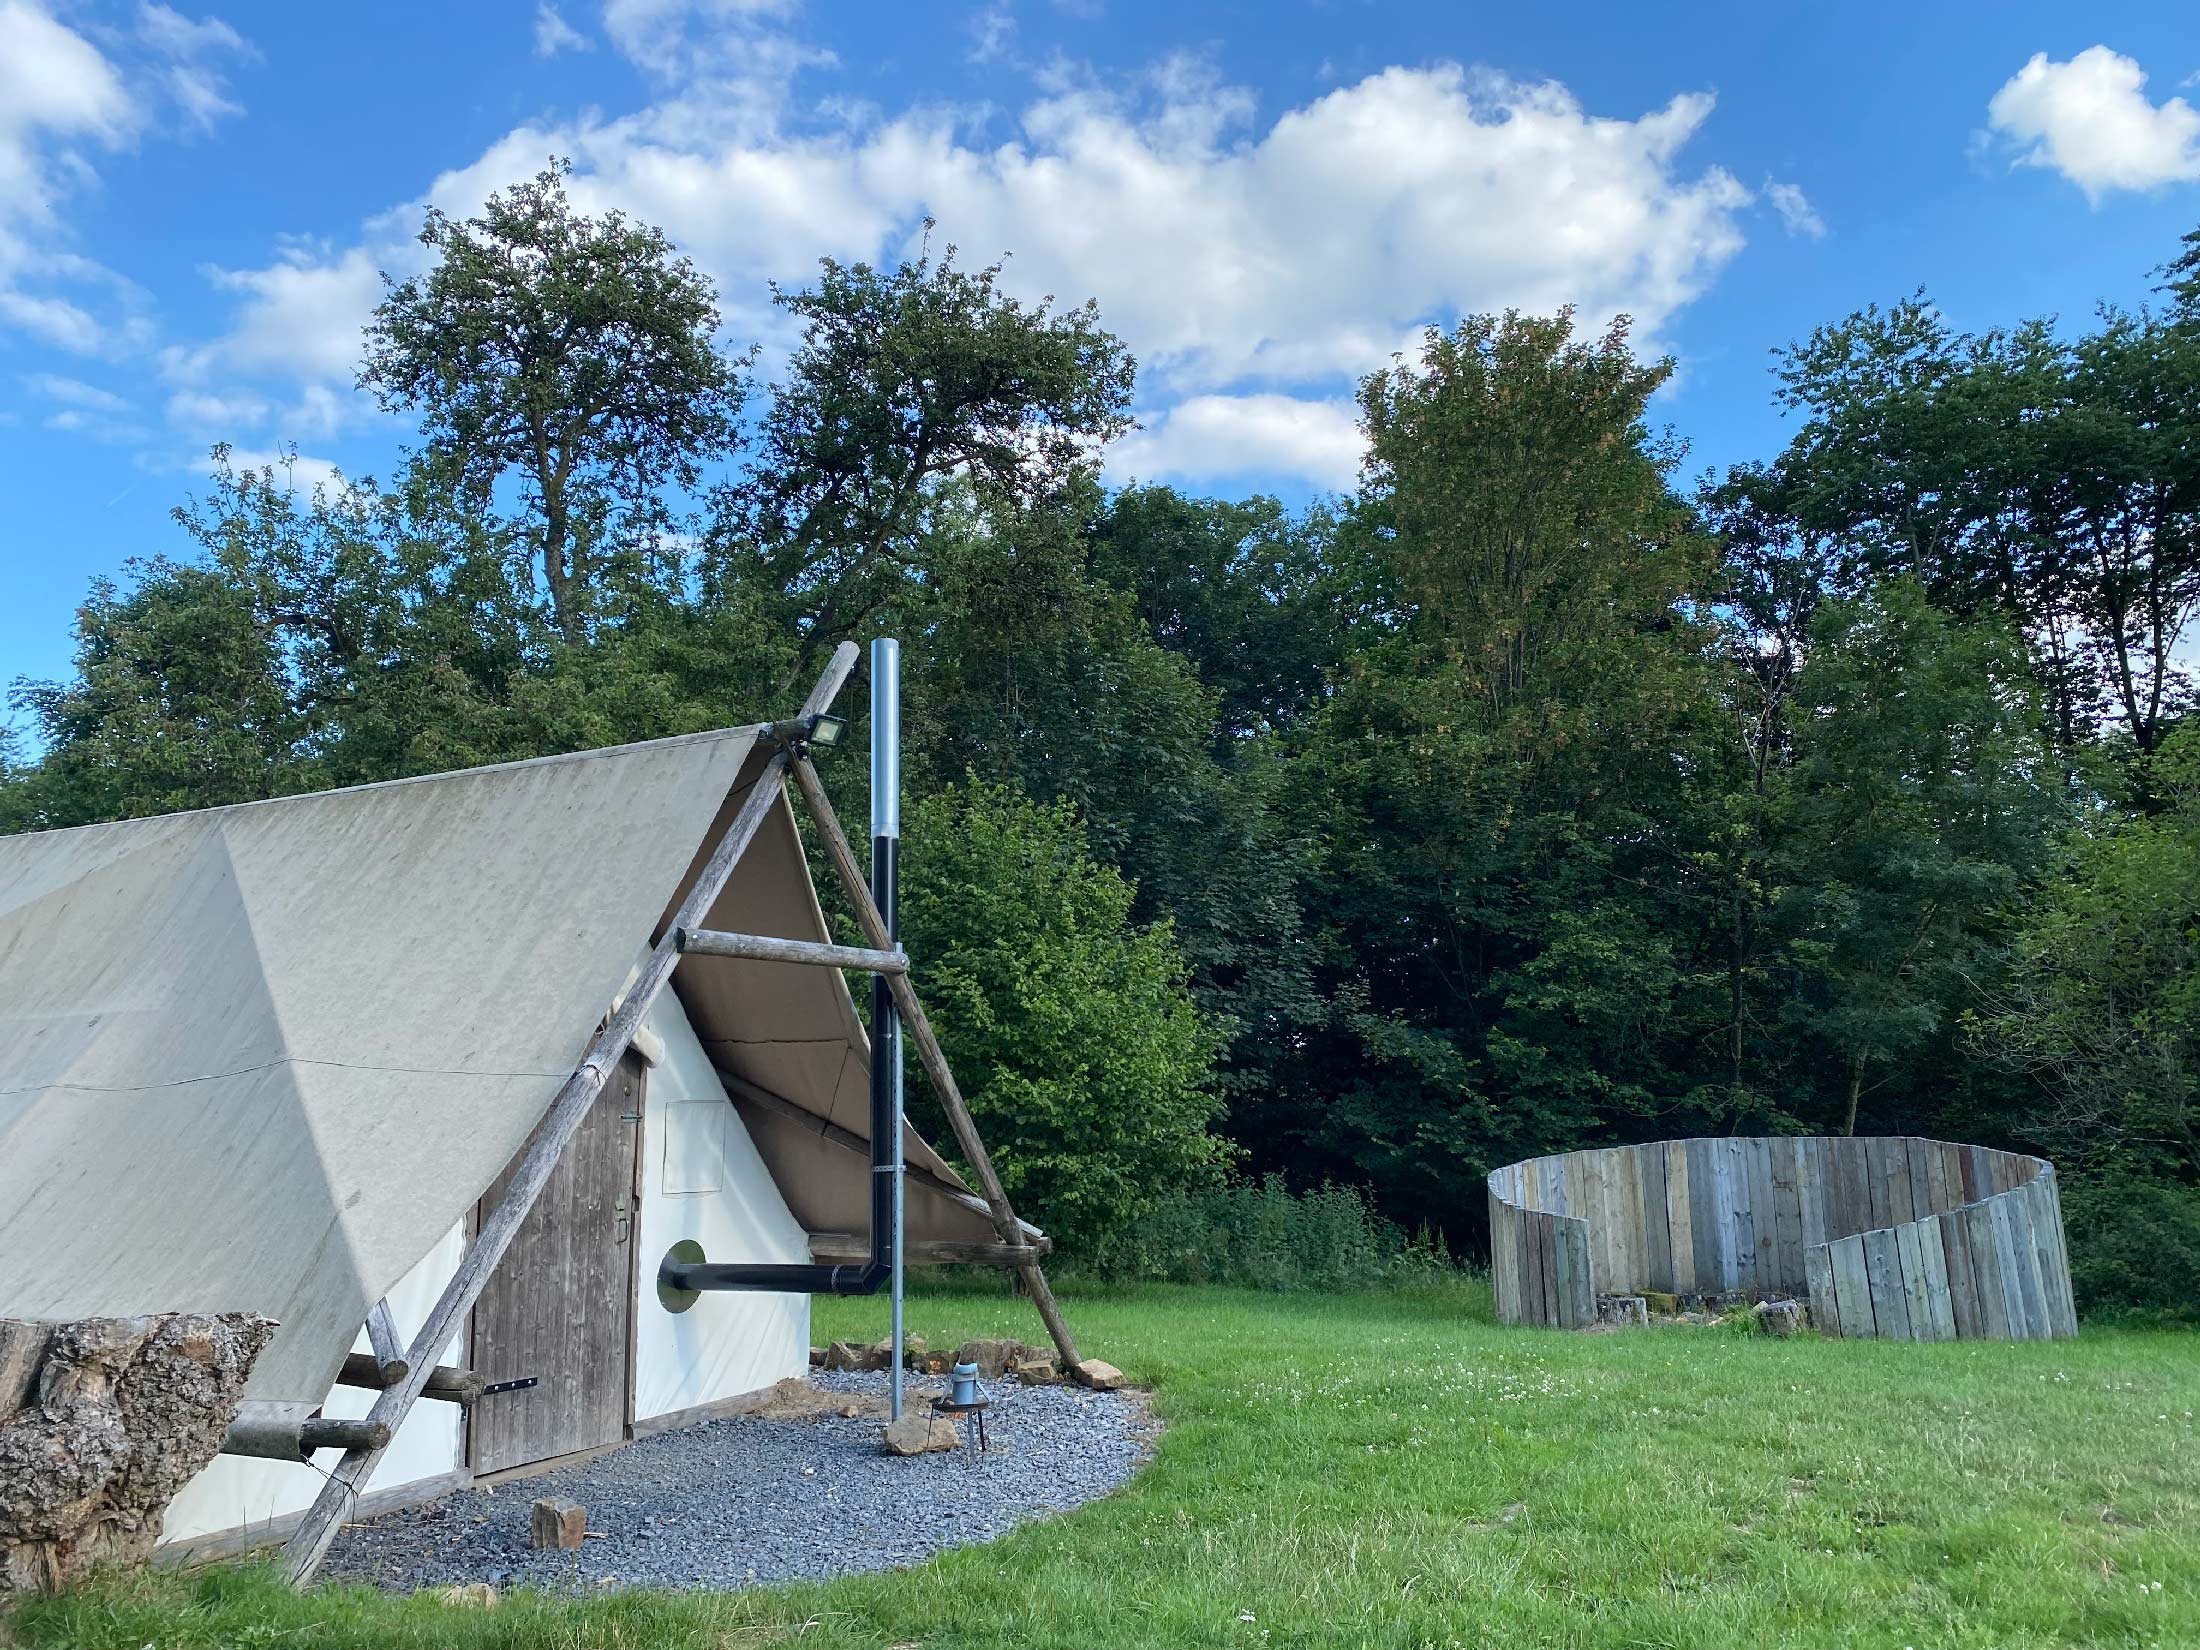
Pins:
x: 562, y: 1117
x: 450, y: 1386
x: 382, y: 1334
x: 717, y: 942
x: 276, y: 1440
x: 919, y: 1029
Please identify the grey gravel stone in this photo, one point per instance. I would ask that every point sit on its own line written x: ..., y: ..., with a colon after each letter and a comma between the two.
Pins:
x: 742, y: 1501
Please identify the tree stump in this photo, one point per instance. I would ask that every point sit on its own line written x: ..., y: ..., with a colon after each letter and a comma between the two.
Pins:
x: 102, y: 1421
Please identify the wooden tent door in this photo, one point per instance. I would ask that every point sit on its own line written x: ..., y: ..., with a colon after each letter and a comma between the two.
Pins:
x: 559, y: 1308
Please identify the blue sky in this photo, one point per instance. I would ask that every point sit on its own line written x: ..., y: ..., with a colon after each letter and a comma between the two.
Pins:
x: 1266, y: 200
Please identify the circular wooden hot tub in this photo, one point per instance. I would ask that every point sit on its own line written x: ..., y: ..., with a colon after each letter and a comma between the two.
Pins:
x: 1890, y: 1237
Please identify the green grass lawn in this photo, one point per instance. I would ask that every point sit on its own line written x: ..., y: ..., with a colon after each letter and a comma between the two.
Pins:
x: 1398, y: 1471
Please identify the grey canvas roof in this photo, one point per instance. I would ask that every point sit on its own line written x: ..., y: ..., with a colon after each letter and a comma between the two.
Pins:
x: 262, y: 1057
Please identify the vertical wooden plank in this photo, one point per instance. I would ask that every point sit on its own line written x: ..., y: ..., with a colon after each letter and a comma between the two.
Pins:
x: 1942, y: 1194
x: 1825, y: 1308
x: 1972, y: 1162
x: 1939, y: 1307
x: 1765, y: 1218
x: 2028, y: 1264
x: 1585, y: 1275
x: 1921, y: 1176
x: 1570, y: 1248
x: 1987, y: 1281
x: 2019, y: 1282
x: 1530, y: 1296
x: 1500, y: 1287
x: 1883, y: 1268
x: 1852, y: 1288
x: 1680, y: 1221
x: 1593, y: 1206
x: 1900, y: 1206
x: 1851, y: 1212
x: 1634, y: 1245
x: 1742, y: 1214
x: 1657, y: 1230
x: 1531, y: 1267
x: 2047, y: 1250
x: 1707, y: 1215
x: 1535, y: 1251
x: 1546, y: 1245
x: 1786, y: 1169
x: 1955, y: 1246
x: 2067, y: 1308
x: 1813, y: 1179
x: 1909, y: 1247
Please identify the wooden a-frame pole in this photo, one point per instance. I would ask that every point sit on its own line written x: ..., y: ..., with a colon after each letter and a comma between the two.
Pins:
x: 919, y: 1029
x: 570, y: 1105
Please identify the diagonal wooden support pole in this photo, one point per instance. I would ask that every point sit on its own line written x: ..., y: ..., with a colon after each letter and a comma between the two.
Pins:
x: 570, y: 1105
x: 919, y: 1031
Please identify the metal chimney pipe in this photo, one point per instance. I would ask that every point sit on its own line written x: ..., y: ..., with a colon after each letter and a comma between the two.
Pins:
x: 886, y: 1096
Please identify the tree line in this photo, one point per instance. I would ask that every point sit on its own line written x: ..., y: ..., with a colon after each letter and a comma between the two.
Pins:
x: 1533, y: 795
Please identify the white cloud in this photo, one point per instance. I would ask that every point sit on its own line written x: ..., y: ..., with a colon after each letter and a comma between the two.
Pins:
x: 192, y: 55
x: 300, y: 319
x: 74, y: 392
x: 1795, y: 209
x: 2090, y: 120
x: 1256, y: 266
x: 992, y: 32
x: 63, y: 99
x: 222, y: 415
x: 553, y: 34
x: 1244, y: 435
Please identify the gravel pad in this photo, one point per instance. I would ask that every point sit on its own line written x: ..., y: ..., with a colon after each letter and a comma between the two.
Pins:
x: 735, y: 1502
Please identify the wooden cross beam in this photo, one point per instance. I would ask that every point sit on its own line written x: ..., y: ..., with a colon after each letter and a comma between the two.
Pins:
x: 567, y: 1108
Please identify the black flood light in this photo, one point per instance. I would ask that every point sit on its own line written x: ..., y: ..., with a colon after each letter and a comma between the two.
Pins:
x: 825, y: 731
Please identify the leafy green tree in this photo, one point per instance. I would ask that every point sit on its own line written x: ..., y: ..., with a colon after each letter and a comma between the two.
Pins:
x: 1244, y: 592
x: 1502, y: 796
x: 1085, y: 1060
x: 2015, y: 472
x: 2102, y: 1007
x: 1922, y: 799
x: 572, y: 356
x: 905, y: 379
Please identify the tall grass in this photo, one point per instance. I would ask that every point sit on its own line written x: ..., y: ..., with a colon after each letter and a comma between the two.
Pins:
x: 1262, y: 1235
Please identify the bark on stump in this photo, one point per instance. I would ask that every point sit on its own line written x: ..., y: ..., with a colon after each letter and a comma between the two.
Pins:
x: 102, y: 1421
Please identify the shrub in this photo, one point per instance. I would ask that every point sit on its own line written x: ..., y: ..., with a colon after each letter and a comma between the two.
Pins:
x: 2134, y: 1247
x: 1261, y: 1235
x: 1086, y: 1063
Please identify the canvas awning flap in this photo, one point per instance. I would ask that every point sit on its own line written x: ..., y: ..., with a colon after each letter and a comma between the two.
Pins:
x: 262, y: 1057
x: 792, y: 1030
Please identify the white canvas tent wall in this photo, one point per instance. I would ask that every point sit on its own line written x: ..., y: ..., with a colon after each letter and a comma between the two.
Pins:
x: 267, y: 1057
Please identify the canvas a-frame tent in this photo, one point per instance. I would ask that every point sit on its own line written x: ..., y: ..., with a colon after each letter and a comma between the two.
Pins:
x: 270, y: 1057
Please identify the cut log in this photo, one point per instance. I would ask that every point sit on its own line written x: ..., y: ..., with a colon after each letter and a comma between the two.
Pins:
x: 280, y: 1440
x: 102, y: 1422
x: 450, y: 1386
